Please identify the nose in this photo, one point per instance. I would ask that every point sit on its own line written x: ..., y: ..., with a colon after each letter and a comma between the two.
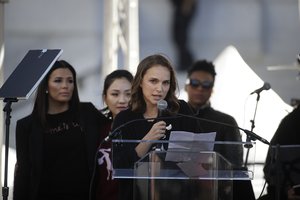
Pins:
x: 159, y: 87
x: 65, y: 84
x: 122, y: 99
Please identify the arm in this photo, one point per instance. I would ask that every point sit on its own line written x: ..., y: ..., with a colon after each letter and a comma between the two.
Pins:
x: 128, y: 153
x: 156, y: 132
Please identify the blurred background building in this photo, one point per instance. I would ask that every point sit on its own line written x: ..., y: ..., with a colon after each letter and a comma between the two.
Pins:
x: 257, y: 33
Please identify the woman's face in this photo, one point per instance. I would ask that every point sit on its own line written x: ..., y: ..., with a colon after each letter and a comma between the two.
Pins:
x: 155, y: 84
x: 118, y: 95
x: 60, y: 86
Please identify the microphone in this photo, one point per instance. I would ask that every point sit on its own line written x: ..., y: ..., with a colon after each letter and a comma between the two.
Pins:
x: 162, y: 105
x: 254, y: 136
x: 266, y: 86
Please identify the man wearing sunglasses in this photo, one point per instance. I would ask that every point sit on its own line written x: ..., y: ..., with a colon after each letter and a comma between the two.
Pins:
x: 199, y: 87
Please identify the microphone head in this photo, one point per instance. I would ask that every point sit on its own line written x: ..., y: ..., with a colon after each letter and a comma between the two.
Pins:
x: 267, y: 86
x: 162, y: 104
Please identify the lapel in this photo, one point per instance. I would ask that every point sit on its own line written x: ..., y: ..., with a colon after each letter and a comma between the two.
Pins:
x: 90, y: 136
x: 36, y: 146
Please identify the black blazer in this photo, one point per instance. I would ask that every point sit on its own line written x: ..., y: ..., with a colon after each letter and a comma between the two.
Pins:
x: 29, y: 149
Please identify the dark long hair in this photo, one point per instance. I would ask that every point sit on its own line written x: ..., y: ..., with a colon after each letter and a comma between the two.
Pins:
x: 41, y: 103
x: 137, y: 102
x: 109, y: 79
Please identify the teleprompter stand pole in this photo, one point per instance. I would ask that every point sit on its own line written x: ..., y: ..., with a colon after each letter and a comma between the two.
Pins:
x: 7, y: 110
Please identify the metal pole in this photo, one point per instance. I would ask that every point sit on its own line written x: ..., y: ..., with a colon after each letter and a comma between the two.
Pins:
x: 1, y: 76
x: 132, y: 35
x: 110, y: 37
x: 121, y: 35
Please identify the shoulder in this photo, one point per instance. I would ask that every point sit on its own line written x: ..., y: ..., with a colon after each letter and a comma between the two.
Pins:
x: 184, y: 107
x: 127, y: 114
x: 291, y: 120
x: 295, y: 114
x: 24, y: 125
x: 88, y: 111
x: 87, y: 105
x: 221, y: 116
x: 25, y: 120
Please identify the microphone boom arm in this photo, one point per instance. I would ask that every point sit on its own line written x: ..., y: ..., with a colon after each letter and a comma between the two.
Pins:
x: 250, y: 134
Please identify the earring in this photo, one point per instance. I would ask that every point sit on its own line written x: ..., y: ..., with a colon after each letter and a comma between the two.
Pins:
x: 46, y: 92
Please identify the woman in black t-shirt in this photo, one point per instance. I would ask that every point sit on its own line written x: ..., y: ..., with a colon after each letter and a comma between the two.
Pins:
x: 56, y: 144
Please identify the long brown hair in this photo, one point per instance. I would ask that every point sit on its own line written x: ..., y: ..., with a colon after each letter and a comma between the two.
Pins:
x: 137, y: 102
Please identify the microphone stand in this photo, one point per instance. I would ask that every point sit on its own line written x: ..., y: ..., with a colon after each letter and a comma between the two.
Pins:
x: 248, y: 139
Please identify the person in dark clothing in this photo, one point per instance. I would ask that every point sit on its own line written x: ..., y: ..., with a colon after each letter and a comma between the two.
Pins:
x: 116, y: 95
x: 184, y: 11
x: 287, y: 134
x: 199, y: 87
x: 57, y: 143
x: 154, y: 80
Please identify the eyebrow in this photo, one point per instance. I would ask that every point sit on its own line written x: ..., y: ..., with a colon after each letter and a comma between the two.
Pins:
x: 117, y: 90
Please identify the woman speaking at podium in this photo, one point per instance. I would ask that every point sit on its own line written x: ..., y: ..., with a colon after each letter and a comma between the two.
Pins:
x: 154, y: 80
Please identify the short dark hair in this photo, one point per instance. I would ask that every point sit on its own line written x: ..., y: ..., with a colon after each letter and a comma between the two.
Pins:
x: 202, y: 65
x: 117, y: 74
x: 109, y: 79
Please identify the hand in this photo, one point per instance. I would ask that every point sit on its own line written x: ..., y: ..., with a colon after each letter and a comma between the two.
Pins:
x: 157, y: 131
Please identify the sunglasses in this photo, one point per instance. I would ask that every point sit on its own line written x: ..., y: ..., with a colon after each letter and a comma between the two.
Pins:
x: 194, y: 83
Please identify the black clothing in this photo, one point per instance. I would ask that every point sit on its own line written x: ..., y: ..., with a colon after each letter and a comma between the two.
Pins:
x: 287, y: 133
x: 106, y: 187
x: 224, y: 133
x: 32, y: 169
x: 233, y: 153
x: 126, y: 156
x: 63, y: 143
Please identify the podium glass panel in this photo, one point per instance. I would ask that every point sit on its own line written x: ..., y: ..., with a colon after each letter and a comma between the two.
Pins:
x: 181, y: 170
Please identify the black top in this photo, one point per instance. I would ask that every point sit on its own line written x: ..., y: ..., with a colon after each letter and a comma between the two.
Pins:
x: 287, y: 133
x: 126, y: 155
x: 65, y: 170
x: 32, y: 150
x: 234, y: 153
x: 138, y: 129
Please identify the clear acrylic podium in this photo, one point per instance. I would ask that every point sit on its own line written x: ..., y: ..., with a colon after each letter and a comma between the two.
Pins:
x: 188, y: 170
